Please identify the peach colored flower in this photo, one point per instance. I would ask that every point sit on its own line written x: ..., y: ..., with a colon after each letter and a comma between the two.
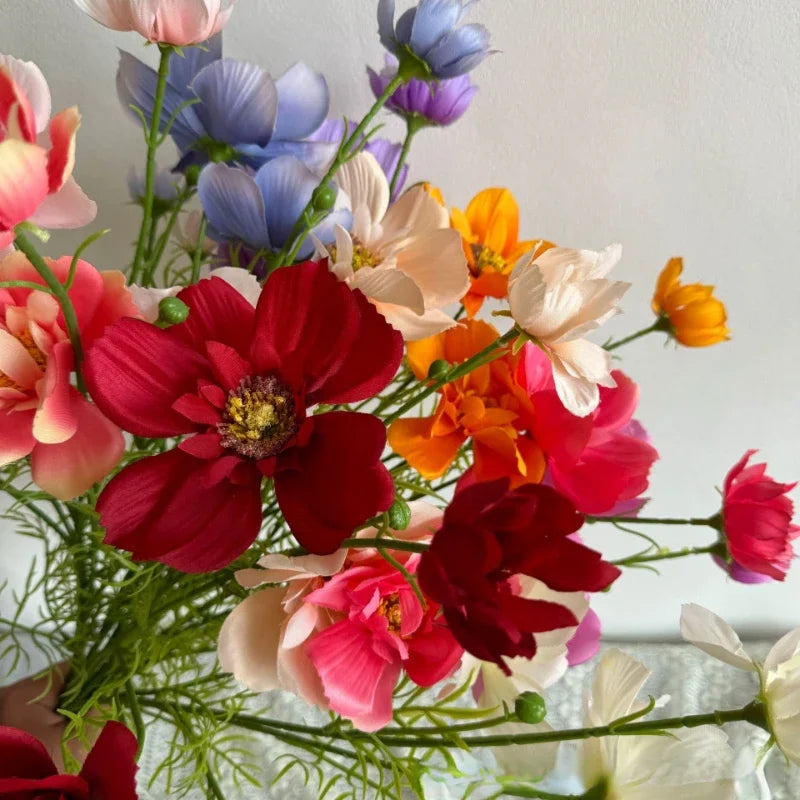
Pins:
x: 70, y: 443
x: 177, y: 22
x: 404, y: 257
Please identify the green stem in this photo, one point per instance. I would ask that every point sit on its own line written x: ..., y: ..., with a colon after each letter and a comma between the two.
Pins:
x: 414, y: 124
x: 379, y: 544
x: 485, y: 356
x: 711, y: 522
x: 150, y: 170
x: 661, y: 324
x: 341, y: 157
x: 718, y: 548
x: 60, y: 293
x: 197, y: 256
x: 36, y: 287
x: 136, y: 714
x: 163, y: 241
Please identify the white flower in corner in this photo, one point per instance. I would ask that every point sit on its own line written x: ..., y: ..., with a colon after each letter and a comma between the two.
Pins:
x: 558, y: 297
x: 686, y: 765
x: 779, y: 675
x: 406, y: 259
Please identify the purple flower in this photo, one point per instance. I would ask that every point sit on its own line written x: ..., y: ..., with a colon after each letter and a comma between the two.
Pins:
x: 228, y: 110
x: 440, y: 103
x: 429, y: 31
x: 386, y: 153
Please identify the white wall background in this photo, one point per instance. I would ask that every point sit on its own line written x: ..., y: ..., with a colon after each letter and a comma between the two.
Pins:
x: 671, y: 126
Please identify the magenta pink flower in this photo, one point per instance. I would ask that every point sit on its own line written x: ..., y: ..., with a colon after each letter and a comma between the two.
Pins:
x: 757, y: 521
x: 177, y: 22
x: 71, y: 444
x: 36, y: 181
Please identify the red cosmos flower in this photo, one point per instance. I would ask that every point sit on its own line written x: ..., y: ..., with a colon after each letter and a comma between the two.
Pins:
x: 489, y: 535
x: 241, y: 380
x: 28, y: 773
x: 757, y: 520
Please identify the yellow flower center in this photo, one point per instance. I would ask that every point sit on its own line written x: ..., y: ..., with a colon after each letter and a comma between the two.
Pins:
x: 259, y: 417
x: 389, y: 607
x: 26, y: 340
x: 484, y: 258
x: 362, y: 256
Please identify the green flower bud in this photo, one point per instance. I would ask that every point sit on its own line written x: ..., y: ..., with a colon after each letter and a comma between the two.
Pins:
x: 324, y: 197
x: 399, y: 515
x: 192, y: 174
x: 171, y: 311
x: 530, y: 707
x: 438, y: 369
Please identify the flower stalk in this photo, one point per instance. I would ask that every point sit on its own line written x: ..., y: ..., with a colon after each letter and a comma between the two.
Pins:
x: 661, y: 324
x: 414, y: 124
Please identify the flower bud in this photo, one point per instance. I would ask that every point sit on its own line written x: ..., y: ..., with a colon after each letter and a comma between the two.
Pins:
x: 399, y: 515
x: 171, y: 311
x: 530, y: 707
x: 324, y: 197
x: 438, y: 369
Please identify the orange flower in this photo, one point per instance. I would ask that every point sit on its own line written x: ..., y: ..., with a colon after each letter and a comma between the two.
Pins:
x: 490, y: 230
x: 487, y: 406
x: 696, y: 318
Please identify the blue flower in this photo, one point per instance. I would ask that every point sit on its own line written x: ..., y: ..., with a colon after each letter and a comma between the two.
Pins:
x: 259, y: 210
x: 237, y: 112
x: 429, y: 32
x: 166, y: 188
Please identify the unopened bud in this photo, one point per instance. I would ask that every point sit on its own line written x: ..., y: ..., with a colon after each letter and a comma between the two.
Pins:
x: 399, y: 515
x: 171, y: 311
x: 438, y: 369
x: 324, y: 197
x: 530, y: 707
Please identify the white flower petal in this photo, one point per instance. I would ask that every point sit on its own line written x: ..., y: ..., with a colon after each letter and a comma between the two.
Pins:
x: 243, y: 281
x: 416, y: 326
x: 388, y: 285
x: 786, y: 649
x: 714, y: 636
x: 299, y: 626
x: 365, y: 183
x: 415, y: 211
x: 617, y: 682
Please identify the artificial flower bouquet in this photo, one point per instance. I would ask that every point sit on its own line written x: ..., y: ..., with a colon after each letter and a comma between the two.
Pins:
x: 290, y: 450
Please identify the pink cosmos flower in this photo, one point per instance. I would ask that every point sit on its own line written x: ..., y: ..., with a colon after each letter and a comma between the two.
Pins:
x: 600, y: 461
x: 71, y: 444
x: 342, y: 631
x: 757, y: 522
x: 177, y: 22
x: 36, y: 181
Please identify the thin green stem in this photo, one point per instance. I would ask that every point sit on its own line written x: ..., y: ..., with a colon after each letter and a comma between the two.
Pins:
x: 157, y: 254
x: 136, y: 714
x: 36, y: 287
x: 485, y: 356
x: 378, y: 544
x: 145, y: 231
x: 197, y: 256
x: 661, y: 324
x: 341, y: 157
x: 60, y: 293
x: 413, y: 125
x: 713, y: 549
x: 711, y: 522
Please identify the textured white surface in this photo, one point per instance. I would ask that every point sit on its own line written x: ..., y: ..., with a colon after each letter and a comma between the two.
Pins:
x: 671, y: 127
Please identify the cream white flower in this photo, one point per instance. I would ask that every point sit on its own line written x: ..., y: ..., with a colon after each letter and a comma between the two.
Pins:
x: 690, y: 765
x: 779, y: 675
x: 405, y: 258
x: 560, y: 296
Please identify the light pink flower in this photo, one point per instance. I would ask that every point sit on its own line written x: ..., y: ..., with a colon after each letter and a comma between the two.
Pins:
x: 36, y: 181
x: 178, y: 22
x: 405, y: 258
x: 342, y: 631
x: 71, y: 444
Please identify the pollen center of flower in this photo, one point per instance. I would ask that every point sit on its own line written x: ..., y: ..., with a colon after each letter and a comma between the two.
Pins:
x: 362, y: 256
x: 259, y: 417
x: 389, y: 607
x: 485, y: 258
x: 26, y: 340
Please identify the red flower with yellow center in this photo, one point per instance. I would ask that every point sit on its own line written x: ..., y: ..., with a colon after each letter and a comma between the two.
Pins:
x: 490, y: 231
x: 488, y: 406
x: 241, y: 380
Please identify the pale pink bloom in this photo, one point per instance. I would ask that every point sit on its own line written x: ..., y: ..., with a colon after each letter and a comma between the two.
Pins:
x: 779, y: 674
x: 177, y: 22
x: 147, y: 298
x: 405, y: 258
x: 71, y: 444
x: 686, y: 764
x: 342, y: 631
x: 585, y: 643
x: 36, y: 181
x: 557, y: 298
x: 187, y: 232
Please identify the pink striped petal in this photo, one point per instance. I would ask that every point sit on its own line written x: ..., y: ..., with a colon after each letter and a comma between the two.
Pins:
x: 57, y: 418
x: 69, y: 207
x: 16, y: 436
x: 69, y: 469
x: 61, y: 158
x: 16, y: 362
x: 23, y: 181
x: 16, y: 113
x: 33, y: 84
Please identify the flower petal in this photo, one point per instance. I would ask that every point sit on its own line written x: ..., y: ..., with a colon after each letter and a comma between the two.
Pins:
x: 23, y: 181
x: 69, y: 207
x: 303, y: 102
x: 34, y: 86
x: 56, y: 419
x: 390, y: 286
x: 110, y: 768
x: 16, y: 435
x: 714, y: 636
x: 23, y: 756
x: 365, y: 183
x: 61, y: 158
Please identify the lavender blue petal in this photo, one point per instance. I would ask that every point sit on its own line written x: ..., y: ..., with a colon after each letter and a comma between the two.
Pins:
x: 386, y: 22
x: 185, y: 65
x: 238, y: 102
x: 433, y: 20
x: 232, y: 201
x: 317, y: 156
x: 459, y: 52
x: 303, y: 102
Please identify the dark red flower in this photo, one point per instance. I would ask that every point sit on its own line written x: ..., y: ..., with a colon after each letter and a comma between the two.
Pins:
x: 757, y: 522
x: 490, y: 534
x: 28, y: 773
x: 241, y: 380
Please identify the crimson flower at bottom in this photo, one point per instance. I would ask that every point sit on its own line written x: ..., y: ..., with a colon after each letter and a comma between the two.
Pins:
x: 241, y: 380
x: 28, y: 773
x: 488, y: 536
